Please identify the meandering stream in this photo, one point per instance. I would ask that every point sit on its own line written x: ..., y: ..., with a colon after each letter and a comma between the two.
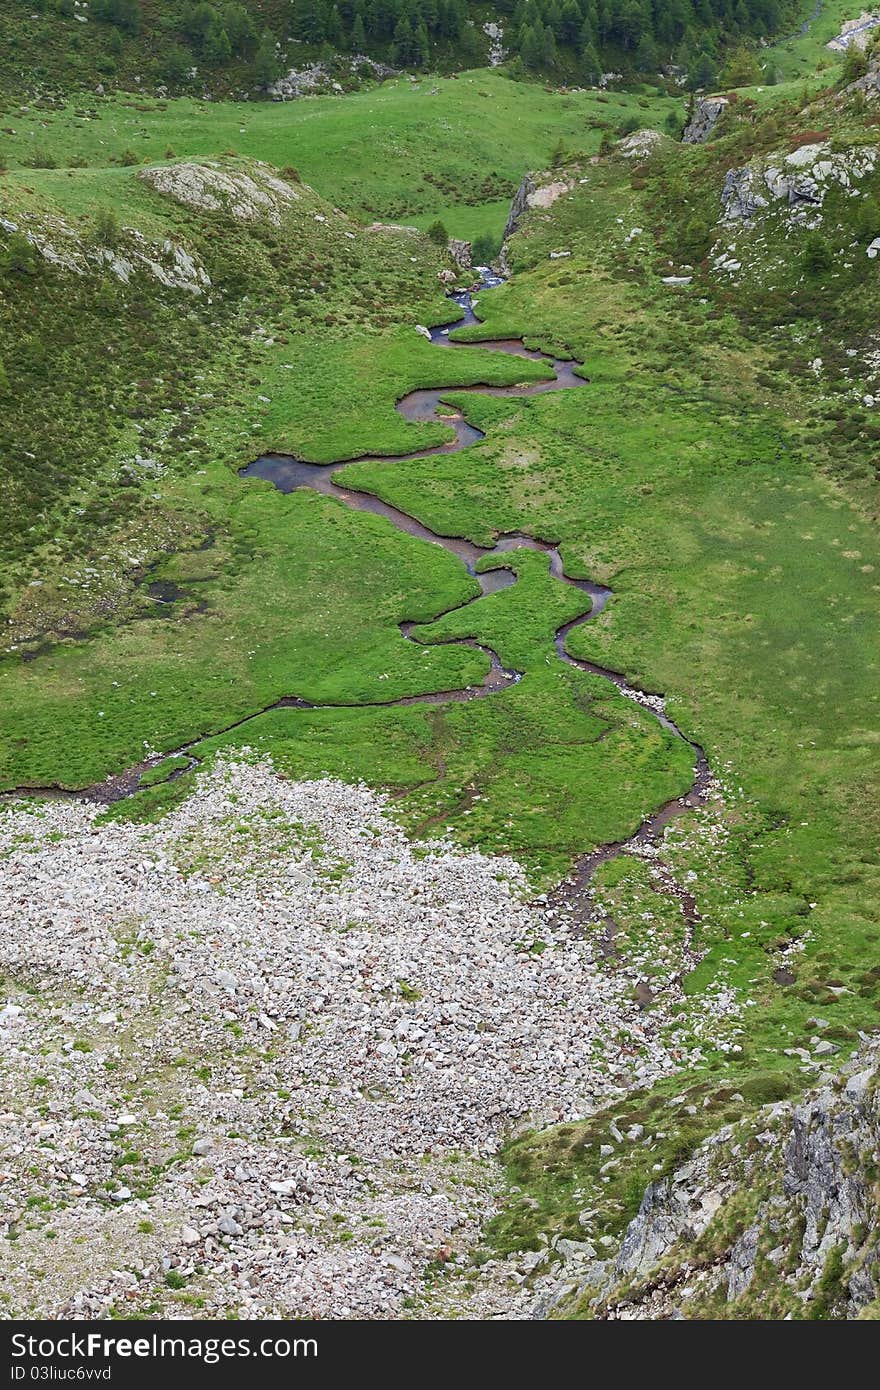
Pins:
x: 288, y: 474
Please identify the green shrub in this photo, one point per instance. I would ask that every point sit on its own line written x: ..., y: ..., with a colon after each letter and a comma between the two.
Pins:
x: 438, y: 233
x: 855, y: 65
x: 817, y: 256
x: 107, y: 230
x: 485, y: 248
x: 20, y: 257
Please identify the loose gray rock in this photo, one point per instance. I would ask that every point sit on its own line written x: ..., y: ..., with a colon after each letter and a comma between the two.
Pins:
x: 706, y: 113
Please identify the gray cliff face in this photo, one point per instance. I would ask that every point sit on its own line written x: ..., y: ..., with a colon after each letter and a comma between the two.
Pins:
x: 706, y: 114
x: 520, y: 204
x: 774, y: 1217
x: 461, y: 252
x: 797, y: 181
x: 678, y: 1208
x: 739, y: 197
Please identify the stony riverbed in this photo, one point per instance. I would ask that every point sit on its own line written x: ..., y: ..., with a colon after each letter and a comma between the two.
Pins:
x: 261, y: 1055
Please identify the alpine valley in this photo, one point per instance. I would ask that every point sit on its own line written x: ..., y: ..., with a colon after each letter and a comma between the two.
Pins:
x: 439, y: 659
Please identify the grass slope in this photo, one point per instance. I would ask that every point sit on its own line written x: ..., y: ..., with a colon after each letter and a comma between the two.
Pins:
x: 437, y: 146
x: 732, y: 514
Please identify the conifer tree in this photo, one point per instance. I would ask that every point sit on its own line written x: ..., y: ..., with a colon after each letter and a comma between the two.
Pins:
x: 310, y: 20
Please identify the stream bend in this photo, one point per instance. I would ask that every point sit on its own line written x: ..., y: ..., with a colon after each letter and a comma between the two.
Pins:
x: 426, y: 406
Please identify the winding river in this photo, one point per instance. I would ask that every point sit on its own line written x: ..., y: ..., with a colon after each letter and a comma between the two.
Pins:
x: 573, y: 897
x: 288, y: 474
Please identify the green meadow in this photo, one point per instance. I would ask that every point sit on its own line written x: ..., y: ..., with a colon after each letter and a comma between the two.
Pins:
x: 155, y: 599
x: 450, y: 146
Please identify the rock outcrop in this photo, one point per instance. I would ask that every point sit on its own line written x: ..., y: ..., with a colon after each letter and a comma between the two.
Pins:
x: 777, y: 1216
x: 245, y: 194
x: 535, y: 191
x: 461, y: 252
x: 64, y: 246
x: 799, y: 180
x: 640, y: 144
x: 704, y: 117
x: 495, y: 34
x: 519, y: 205
x: 870, y: 83
x: 318, y: 77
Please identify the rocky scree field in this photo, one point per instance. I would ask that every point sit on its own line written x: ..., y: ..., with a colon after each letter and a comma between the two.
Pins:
x: 259, y: 1055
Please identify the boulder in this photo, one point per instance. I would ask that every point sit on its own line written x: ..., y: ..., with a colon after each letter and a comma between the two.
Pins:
x: 640, y: 144
x: 532, y: 193
x: 519, y: 205
x: 704, y: 117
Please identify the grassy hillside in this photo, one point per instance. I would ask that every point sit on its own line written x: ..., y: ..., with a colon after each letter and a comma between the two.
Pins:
x: 726, y: 486
x: 303, y: 341
x: 455, y: 146
x: 803, y: 47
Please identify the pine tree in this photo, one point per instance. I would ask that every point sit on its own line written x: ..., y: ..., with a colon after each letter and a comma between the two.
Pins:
x: 358, y: 37
x: 586, y: 38
x: 530, y: 47
x: 217, y: 49
x: 19, y: 257
x: 310, y: 20
x: 334, y: 27
x: 421, y: 46
x: 741, y: 18
x: 742, y: 70
x: 470, y: 44
x: 266, y: 63
x: 128, y: 16
x: 548, y: 48
x: 646, y: 54
x: 855, y: 64
x: 438, y: 233
x: 125, y: 14
x: 702, y: 74
x: 818, y: 256
x: 403, y: 38
x: 175, y: 65
x: 570, y: 23
x: 591, y: 66
x: 240, y: 28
